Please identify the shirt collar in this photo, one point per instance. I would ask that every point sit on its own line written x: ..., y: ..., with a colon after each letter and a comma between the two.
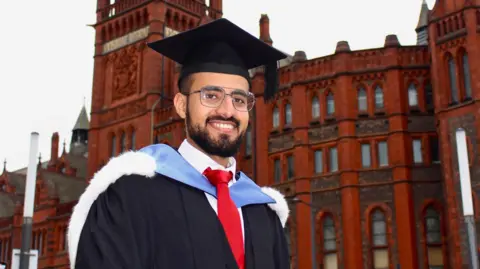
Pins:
x: 200, y: 161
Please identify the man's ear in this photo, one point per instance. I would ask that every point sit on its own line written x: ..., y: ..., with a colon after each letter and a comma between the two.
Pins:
x: 180, y: 103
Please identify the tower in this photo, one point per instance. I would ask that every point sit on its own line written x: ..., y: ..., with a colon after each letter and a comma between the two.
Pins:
x: 454, y: 42
x: 133, y: 85
x: 79, y: 140
x: 422, y: 26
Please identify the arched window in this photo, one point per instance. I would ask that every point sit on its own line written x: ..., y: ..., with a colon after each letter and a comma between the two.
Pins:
x: 453, y: 79
x: 329, y: 243
x: 362, y: 100
x: 113, y: 146
x: 248, y: 141
x: 288, y: 114
x: 433, y: 238
x: 466, y: 76
x: 412, y: 95
x: 379, y: 98
x: 330, y: 104
x: 276, y: 118
x: 315, y: 108
x: 428, y: 95
x: 132, y: 140
x: 123, y: 142
x: 379, y: 240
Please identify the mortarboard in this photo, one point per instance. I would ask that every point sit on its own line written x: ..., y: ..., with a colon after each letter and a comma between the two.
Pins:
x: 221, y: 46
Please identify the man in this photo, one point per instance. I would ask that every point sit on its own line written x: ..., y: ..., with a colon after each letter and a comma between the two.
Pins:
x: 189, y: 208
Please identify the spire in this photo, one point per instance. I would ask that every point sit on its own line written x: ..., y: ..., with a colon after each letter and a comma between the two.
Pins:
x: 423, y: 18
x: 82, y: 121
x: 4, y: 166
x: 422, y: 31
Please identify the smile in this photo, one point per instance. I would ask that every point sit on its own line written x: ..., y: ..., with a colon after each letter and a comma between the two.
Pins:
x: 224, y: 127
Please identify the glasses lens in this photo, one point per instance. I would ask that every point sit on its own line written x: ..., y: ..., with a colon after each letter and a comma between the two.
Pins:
x: 212, y: 96
x: 243, y: 101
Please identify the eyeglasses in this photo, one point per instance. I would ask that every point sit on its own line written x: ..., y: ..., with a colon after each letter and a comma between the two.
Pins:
x: 213, y: 96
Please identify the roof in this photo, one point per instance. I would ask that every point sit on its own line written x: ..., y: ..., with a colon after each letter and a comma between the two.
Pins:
x: 423, y: 18
x: 82, y: 121
x: 66, y: 188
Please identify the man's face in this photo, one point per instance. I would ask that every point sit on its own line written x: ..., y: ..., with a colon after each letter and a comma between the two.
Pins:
x: 217, y: 131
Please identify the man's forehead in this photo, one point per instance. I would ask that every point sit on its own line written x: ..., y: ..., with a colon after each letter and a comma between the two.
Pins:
x: 226, y: 81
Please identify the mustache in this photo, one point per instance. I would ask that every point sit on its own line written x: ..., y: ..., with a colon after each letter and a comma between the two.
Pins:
x: 231, y: 119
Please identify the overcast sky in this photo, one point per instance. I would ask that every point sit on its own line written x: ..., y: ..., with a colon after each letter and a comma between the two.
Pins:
x: 47, y: 53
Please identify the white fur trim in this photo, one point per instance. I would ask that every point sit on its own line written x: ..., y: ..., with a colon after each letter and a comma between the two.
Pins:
x: 125, y: 164
x: 281, y: 206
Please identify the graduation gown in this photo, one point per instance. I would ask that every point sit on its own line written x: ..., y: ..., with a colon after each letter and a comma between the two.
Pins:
x: 148, y: 210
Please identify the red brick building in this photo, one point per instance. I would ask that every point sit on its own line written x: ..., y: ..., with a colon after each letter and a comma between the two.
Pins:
x: 360, y: 141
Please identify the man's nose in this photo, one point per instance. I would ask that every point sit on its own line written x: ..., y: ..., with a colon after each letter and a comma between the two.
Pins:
x: 226, y: 108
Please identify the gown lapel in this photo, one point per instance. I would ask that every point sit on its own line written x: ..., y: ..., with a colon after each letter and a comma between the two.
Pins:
x: 258, y: 238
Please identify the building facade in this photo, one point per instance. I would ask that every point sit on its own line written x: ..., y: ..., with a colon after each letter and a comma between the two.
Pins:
x: 361, y: 142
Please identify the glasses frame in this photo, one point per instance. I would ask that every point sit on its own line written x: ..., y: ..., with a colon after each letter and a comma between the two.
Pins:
x: 225, y: 94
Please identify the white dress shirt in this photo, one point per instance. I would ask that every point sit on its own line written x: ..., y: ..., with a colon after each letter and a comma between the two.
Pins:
x: 200, y: 161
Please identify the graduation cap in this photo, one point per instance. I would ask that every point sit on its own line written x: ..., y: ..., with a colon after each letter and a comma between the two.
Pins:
x: 221, y: 46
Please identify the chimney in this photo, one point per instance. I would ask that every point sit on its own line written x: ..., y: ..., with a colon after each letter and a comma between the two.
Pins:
x: 265, y: 29
x: 54, y: 148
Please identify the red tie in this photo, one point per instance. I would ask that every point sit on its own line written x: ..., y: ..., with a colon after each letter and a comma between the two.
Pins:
x: 228, y: 212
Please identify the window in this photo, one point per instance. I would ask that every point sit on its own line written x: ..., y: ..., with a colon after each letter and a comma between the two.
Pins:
x: 433, y: 238
x: 434, y: 153
x: 290, y: 167
x: 382, y: 153
x: 330, y: 104
x: 122, y: 142
x: 378, y: 98
x: 113, y: 146
x: 453, y: 79
x: 248, y: 142
x: 4, y: 250
x: 277, y: 171
x: 429, y: 96
x: 333, y: 159
x: 132, y: 146
x: 362, y: 100
x: 38, y: 242
x: 329, y: 244
x: 466, y: 76
x: 276, y: 118
x: 417, y: 151
x: 288, y: 114
x: 412, y: 95
x: 318, y: 161
x: 379, y: 241
x: 315, y: 108
x: 366, y: 160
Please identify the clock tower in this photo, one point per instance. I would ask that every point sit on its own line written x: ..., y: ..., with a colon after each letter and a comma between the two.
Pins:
x: 454, y: 42
x: 132, y: 85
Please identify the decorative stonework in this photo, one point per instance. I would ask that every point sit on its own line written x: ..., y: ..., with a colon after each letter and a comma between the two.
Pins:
x: 123, y: 111
x: 125, y: 72
x: 126, y: 40
x: 372, y: 126
x: 455, y: 43
x: 284, y: 141
x: 322, y: 133
x: 421, y: 124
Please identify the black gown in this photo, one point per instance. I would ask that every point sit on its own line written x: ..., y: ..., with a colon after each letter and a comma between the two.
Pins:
x: 156, y: 222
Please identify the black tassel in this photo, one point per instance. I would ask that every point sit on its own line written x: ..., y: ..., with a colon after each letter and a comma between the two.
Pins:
x: 271, y: 81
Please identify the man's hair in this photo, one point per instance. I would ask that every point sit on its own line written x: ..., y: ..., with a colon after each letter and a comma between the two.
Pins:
x: 185, y: 84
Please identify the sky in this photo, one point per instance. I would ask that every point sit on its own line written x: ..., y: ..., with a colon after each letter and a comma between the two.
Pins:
x: 47, y: 54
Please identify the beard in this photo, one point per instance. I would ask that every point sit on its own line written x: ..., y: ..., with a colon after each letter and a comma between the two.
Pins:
x: 223, y: 146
